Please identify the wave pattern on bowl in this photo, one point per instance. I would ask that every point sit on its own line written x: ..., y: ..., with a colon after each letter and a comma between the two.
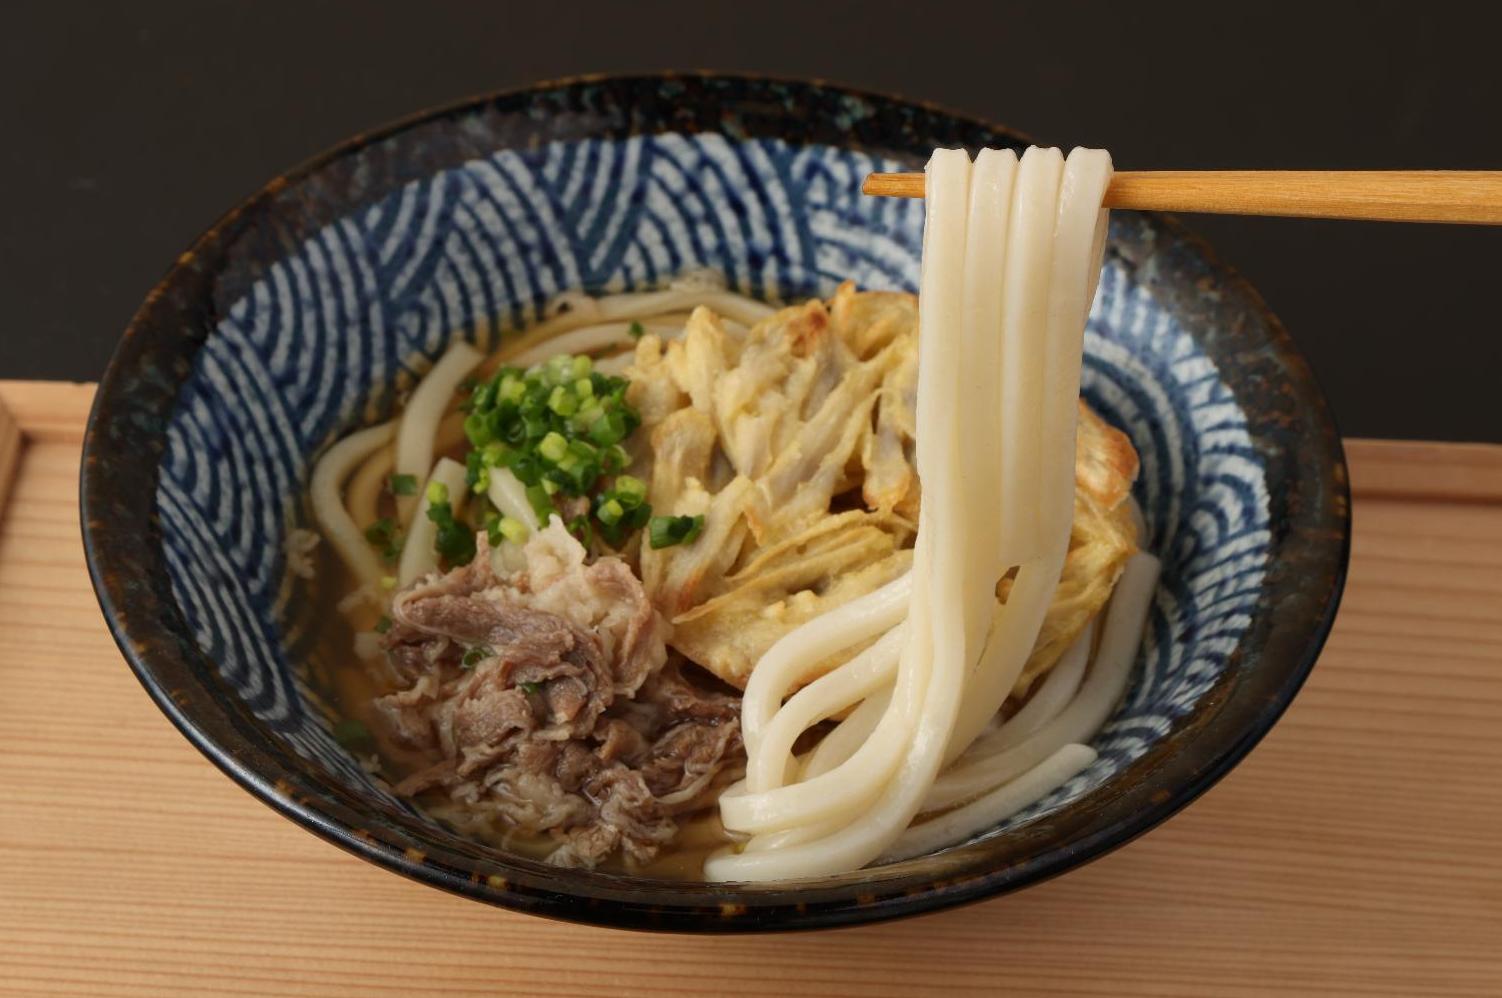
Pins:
x: 332, y: 333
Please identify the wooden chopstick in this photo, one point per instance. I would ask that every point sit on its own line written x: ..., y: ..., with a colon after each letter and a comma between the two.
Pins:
x: 1464, y: 196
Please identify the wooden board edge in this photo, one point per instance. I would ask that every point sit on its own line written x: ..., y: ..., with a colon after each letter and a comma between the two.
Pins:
x: 1432, y: 472
x: 11, y: 443
x: 48, y: 410
x: 38, y: 411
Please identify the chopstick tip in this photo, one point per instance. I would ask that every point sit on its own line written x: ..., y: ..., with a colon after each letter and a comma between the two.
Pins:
x: 893, y: 185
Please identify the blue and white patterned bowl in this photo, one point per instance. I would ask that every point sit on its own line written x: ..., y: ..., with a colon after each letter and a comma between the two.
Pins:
x: 304, y: 312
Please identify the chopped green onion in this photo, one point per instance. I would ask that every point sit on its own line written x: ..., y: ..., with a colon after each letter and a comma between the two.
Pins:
x: 610, y: 428
x: 529, y: 688
x: 563, y: 402
x: 637, y: 330
x: 559, y: 369
x: 476, y: 473
x: 630, y: 490
x: 383, y: 625
x: 453, y: 541
x: 526, y: 467
x: 481, y: 395
x: 512, y: 389
x: 580, y: 527
x: 615, y: 458
x: 403, y: 485
x: 666, y: 531
x: 540, y: 500
x: 559, y: 427
x: 554, y: 447
x: 352, y: 734
x: 476, y: 655
x: 384, y: 536
x: 477, y: 428
x: 388, y: 582
x: 379, y: 532
x: 512, y: 529
x: 437, y: 493
x: 610, y: 512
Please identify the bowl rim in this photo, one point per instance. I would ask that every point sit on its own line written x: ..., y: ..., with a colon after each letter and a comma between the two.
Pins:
x: 623, y: 902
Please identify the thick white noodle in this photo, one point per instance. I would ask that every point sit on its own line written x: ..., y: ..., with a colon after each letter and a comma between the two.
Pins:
x: 1076, y: 225
x: 980, y: 429
x: 791, y: 659
x: 328, y: 505
x: 1121, y: 635
x: 682, y: 296
x: 841, y: 743
x: 591, y: 339
x: 362, y: 495
x: 1052, y: 696
x: 615, y: 365
x: 826, y: 696
x: 931, y: 670
x: 425, y: 410
x: 1008, y: 249
x: 636, y: 305
x: 792, y: 836
x: 995, y: 807
x: 848, y: 787
x: 1024, y: 313
x: 418, y: 556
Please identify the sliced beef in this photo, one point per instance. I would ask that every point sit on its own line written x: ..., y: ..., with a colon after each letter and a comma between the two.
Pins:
x: 684, y: 761
x: 542, y: 698
x: 629, y: 819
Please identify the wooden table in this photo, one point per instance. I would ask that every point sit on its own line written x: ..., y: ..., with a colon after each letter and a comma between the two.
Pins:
x: 1356, y: 850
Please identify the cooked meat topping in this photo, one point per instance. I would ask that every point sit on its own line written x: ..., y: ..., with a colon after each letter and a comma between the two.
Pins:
x: 545, y: 700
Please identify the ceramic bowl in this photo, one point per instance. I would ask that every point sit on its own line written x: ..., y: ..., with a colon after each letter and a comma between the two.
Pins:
x: 305, y: 310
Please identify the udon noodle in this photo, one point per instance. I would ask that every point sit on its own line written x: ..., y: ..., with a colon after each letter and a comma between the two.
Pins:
x: 920, y: 696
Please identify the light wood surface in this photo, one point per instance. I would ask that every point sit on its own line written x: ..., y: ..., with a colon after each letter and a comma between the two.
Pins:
x: 10, y: 450
x: 1356, y: 850
x: 1463, y: 196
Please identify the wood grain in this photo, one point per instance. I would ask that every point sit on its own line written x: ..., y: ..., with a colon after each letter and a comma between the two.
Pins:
x: 1409, y: 469
x: 1355, y: 851
x: 1461, y: 196
x: 49, y: 410
x: 10, y: 450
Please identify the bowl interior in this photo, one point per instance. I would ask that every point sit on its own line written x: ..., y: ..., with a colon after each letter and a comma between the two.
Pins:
x: 322, y: 300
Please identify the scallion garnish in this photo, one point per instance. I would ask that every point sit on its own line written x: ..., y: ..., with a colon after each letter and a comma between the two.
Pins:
x: 352, y: 734
x: 476, y: 655
x: 529, y: 688
x: 666, y: 531
x: 454, y: 541
x: 512, y: 529
x: 385, y: 538
x: 403, y: 485
x: 559, y: 427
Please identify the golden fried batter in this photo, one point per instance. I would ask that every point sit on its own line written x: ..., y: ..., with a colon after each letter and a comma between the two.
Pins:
x: 795, y: 441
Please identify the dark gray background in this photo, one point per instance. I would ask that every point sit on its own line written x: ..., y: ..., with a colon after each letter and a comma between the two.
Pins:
x: 125, y: 128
